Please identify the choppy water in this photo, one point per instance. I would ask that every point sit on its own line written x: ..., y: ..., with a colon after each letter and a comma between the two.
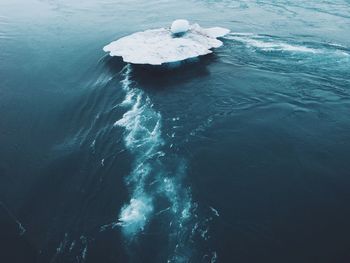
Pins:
x: 239, y: 156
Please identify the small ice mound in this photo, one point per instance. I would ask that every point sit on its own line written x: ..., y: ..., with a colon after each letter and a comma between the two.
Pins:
x: 180, y: 26
x: 165, y: 45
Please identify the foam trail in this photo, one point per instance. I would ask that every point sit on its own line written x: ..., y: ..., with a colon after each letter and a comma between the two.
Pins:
x: 152, y: 179
x: 143, y: 139
x: 260, y: 42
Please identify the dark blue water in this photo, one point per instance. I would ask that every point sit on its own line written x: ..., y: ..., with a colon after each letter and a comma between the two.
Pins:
x: 239, y: 156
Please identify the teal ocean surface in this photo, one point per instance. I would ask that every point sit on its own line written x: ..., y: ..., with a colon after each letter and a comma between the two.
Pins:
x: 242, y: 155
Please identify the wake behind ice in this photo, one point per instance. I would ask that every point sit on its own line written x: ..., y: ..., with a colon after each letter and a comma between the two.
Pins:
x: 165, y: 45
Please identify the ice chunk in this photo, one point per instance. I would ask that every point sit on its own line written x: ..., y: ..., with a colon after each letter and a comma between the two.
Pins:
x: 216, y: 31
x: 180, y: 26
x: 158, y: 46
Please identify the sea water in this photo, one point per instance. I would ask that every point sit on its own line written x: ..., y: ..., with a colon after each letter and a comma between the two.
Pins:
x: 238, y: 156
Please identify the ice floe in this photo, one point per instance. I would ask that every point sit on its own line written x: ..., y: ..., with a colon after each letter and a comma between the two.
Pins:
x: 165, y: 45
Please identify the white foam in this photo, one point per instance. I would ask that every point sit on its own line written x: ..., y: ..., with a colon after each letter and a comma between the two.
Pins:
x: 180, y: 200
x: 214, y: 211
x: 72, y: 246
x: 214, y: 257
x: 258, y: 42
x: 150, y: 179
x: 133, y: 216
x: 158, y: 46
x: 143, y: 139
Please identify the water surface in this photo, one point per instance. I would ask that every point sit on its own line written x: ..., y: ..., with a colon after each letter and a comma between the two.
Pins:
x: 239, y: 156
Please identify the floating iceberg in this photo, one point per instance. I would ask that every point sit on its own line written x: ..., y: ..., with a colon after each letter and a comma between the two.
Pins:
x: 164, y: 45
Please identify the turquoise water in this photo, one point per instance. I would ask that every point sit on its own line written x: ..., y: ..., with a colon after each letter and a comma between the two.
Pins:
x: 238, y: 156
